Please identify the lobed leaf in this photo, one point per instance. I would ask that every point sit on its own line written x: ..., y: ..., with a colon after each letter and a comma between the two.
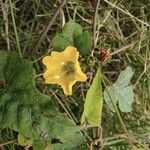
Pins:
x: 120, y: 92
x: 23, y: 108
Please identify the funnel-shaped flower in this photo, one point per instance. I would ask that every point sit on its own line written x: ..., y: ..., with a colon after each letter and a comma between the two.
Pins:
x: 63, y: 68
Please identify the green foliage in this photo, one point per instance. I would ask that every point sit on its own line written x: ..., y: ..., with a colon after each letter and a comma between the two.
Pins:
x: 61, y: 41
x: 72, y: 35
x: 23, y: 108
x: 84, y: 43
x: 72, y: 29
x: 120, y: 92
x: 94, y: 102
x: 121, y: 27
x: 42, y: 145
x: 71, y: 143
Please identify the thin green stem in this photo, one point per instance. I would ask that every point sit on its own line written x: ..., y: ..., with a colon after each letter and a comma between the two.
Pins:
x: 15, y: 28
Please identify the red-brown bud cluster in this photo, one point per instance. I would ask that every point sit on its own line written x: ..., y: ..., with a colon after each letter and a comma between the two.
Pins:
x: 103, y: 54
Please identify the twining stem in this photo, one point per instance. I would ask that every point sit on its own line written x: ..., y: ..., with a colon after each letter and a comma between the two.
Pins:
x: 119, y: 116
x: 15, y: 28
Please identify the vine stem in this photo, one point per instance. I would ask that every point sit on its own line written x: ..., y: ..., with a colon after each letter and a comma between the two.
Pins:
x: 15, y: 29
x: 129, y: 139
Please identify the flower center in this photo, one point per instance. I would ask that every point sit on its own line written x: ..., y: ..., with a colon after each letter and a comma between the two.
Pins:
x: 69, y: 68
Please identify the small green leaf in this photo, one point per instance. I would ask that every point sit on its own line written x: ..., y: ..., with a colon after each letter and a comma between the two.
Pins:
x: 61, y: 41
x: 66, y: 38
x: 72, y: 29
x: 94, y: 102
x: 120, y: 92
x: 84, y: 43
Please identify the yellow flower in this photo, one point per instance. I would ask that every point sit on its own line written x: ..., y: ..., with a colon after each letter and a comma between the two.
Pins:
x: 63, y: 68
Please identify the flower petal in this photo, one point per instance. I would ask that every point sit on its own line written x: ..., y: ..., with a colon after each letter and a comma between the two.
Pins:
x: 46, y: 60
x: 67, y: 87
x: 80, y: 76
x: 67, y: 82
x: 55, y: 72
x: 71, y: 53
x: 54, y: 61
x: 52, y: 76
x: 58, y: 56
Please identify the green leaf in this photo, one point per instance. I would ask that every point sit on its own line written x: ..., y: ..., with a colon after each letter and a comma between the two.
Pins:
x: 61, y: 41
x: 66, y: 38
x: 84, y: 43
x: 108, y: 100
x: 94, y: 102
x: 23, y: 108
x: 120, y: 92
x: 126, y: 98
x: 73, y: 142
x: 42, y: 145
x: 72, y: 29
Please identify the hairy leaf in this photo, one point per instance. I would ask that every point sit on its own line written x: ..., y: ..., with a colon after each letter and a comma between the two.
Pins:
x: 23, y: 108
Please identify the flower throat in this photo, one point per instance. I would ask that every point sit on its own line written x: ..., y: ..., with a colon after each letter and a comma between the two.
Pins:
x: 69, y: 68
